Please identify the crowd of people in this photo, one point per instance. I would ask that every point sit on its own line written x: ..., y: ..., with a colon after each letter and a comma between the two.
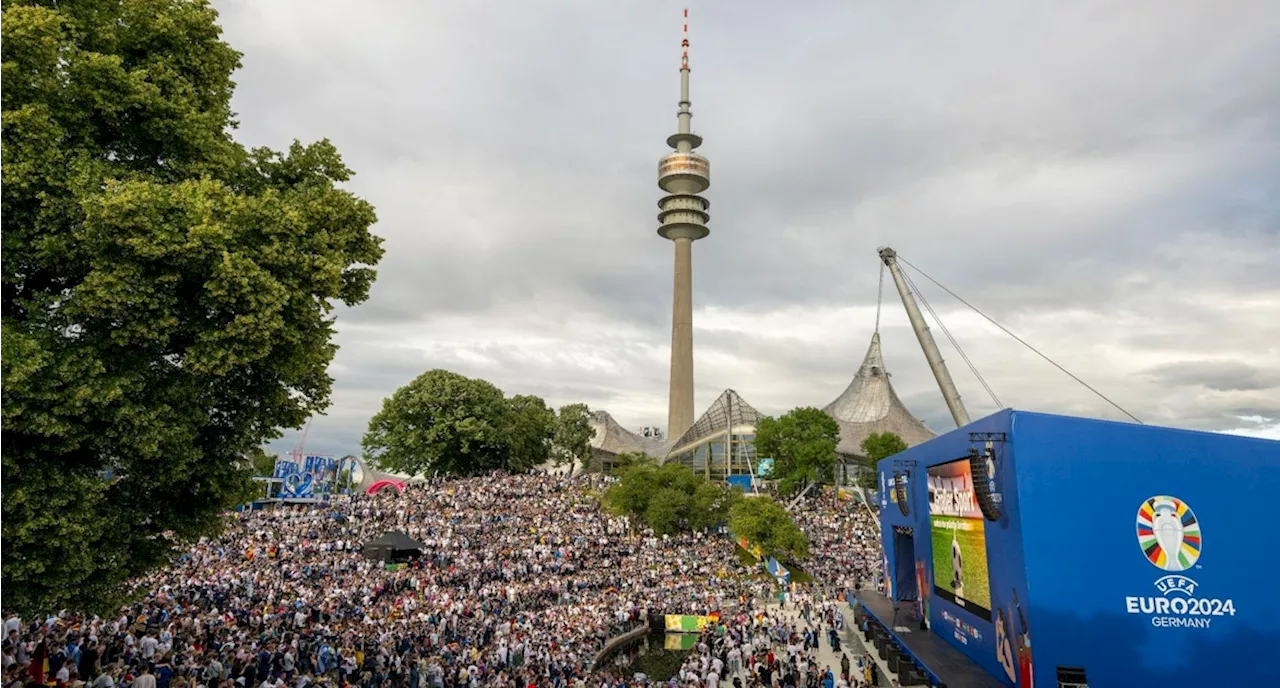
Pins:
x: 844, y: 540
x: 521, y: 581
x: 778, y: 646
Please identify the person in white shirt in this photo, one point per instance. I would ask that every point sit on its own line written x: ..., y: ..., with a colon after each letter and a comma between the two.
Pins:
x: 148, y: 645
x: 105, y: 680
x: 145, y: 679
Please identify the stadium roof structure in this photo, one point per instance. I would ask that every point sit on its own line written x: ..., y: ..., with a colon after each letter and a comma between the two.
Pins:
x: 611, y: 438
x: 728, y: 409
x: 869, y: 405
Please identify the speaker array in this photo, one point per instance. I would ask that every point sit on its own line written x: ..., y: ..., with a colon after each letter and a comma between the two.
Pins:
x: 900, y: 491
x: 982, y: 467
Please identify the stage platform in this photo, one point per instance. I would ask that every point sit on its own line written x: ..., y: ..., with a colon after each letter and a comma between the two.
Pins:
x: 939, y: 659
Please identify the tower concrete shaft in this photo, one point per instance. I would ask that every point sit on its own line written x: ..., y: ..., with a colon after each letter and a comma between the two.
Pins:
x: 680, y: 401
x: 682, y: 218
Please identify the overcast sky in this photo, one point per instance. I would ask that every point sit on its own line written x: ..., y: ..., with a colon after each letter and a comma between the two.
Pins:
x: 1103, y: 178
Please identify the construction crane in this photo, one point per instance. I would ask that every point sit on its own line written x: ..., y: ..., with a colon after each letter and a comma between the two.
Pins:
x: 298, y: 453
x: 931, y: 353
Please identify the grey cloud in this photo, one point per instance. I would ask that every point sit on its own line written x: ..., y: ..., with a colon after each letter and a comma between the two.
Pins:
x: 1093, y: 158
x: 1221, y: 376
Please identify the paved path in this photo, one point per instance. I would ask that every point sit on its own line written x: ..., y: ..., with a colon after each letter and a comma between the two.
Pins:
x: 850, y: 642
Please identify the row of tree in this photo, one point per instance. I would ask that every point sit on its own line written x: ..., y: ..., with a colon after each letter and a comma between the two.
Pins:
x: 671, y: 498
x: 445, y: 423
x: 803, y: 443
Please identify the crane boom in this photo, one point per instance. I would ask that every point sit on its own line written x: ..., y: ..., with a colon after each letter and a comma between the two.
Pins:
x: 931, y: 352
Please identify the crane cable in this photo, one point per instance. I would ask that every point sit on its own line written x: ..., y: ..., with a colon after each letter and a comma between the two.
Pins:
x: 943, y: 326
x: 1020, y: 340
x: 879, y: 297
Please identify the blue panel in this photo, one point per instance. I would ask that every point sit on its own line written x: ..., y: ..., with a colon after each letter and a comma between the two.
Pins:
x: 742, y: 482
x: 988, y: 618
x: 1106, y: 595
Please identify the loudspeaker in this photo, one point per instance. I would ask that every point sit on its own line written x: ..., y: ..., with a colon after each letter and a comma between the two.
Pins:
x: 911, y: 675
x: 1072, y: 677
x: 895, y: 658
x: 982, y: 467
x: 900, y: 491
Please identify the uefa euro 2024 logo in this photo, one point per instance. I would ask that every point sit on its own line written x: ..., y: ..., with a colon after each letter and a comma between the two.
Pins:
x: 1169, y: 535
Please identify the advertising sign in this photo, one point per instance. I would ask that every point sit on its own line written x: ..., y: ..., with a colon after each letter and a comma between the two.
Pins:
x: 688, y: 623
x: 1169, y: 536
x: 312, y: 478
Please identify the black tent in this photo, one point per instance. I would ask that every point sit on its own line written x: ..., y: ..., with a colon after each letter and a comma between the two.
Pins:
x: 393, y: 546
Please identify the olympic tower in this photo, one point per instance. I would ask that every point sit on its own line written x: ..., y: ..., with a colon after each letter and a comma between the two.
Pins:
x: 683, y: 175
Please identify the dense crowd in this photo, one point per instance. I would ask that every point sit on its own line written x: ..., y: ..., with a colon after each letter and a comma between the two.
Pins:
x: 778, y: 647
x: 521, y: 581
x: 844, y: 540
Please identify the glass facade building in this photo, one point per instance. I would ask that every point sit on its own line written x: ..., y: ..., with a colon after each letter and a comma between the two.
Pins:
x: 722, y: 441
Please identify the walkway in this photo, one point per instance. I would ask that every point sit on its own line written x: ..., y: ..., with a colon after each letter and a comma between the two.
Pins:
x: 850, y: 643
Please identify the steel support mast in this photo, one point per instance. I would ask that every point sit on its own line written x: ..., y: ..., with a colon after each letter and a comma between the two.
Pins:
x: 931, y: 352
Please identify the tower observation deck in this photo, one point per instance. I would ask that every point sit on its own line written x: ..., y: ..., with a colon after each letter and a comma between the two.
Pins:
x: 683, y: 216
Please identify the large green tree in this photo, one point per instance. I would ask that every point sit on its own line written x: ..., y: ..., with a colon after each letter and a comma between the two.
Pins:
x: 573, y: 435
x: 765, y: 523
x: 441, y: 422
x: 531, y: 430
x: 261, y: 462
x: 167, y: 294
x: 670, y: 498
x: 624, y: 461
x: 802, y: 443
x: 877, y: 446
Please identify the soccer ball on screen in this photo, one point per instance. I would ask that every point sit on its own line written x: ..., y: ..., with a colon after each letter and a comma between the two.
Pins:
x: 957, y: 567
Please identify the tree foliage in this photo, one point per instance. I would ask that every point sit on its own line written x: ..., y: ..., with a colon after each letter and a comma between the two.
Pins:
x: 573, y: 433
x: 167, y: 294
x: 877, y: 446
x: 670, y: 498
x: 802, y: 443
x: 443, y: 422
x: 626, y: 460
x: 765, y: 523
x: 531, y: 431
x: 261, y: 461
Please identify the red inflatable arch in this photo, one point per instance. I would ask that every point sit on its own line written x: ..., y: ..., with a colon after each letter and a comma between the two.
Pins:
x: 378, y: 486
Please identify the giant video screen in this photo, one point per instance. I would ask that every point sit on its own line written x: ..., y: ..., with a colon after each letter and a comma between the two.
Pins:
x: 958, y: 530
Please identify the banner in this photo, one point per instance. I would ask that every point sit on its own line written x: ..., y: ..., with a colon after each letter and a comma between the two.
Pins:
x: 311, y: 478
x: 755, y: 550
x: 689, y: 623
x: 779, y: 571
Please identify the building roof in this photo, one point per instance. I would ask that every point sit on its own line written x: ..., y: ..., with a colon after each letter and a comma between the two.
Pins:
x: 716, y: 418
x: 611, y: 437
x: 870, y: 405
